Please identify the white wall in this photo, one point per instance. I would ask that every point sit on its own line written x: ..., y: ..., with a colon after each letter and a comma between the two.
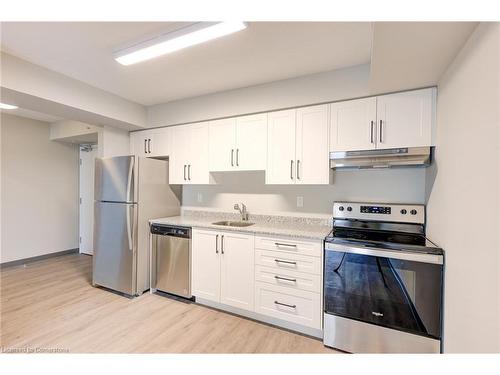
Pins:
x: 394, y: 186
x: 315, y: 88
x: 39, y: 194
x: 113, y: 142
x: 464, y: 189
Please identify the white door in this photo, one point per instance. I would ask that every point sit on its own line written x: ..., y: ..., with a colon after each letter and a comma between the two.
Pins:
x: 237, y: 270
x: 139, y: 143
x: 405, y: 119
x: 177, y: 166
x: 352, y: 125
x: 87, y: 163
x: 197, y: 157
x: 205, y: 266
x: 312, y: 164
x: 222, y: 139
x: 251, y: 142
x: 160, y: 142
x: 281, y: 147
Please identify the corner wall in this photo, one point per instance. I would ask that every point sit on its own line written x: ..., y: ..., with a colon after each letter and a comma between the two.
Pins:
x: 464, y: 189
x: 39, y: 193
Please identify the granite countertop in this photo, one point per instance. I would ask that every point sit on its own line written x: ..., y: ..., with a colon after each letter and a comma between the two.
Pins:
x: 296, y: 227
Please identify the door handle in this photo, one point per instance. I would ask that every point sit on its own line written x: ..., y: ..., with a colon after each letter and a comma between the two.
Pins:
x: 129, y: 179
x: 217, y: 244
x: 291, y: 169
x: 237, y: 157
x: 222, y: 244
x: 298, y: 167
x: 285, y: 261
x: 184, y: 172
x: 145, y: 144
x: 189, y: 172
x: 371, y: 131
x: 278, y: 244
x: 285, y: 304
x: 232, y: 157
x: 130, y: 229
x: 380, y: 133
x: 149, y: 146
x: 285, y: 278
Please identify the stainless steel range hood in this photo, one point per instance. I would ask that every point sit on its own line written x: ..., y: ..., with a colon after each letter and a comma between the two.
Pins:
x: 388, y: 158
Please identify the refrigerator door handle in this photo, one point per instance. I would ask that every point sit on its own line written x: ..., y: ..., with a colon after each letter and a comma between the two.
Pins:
x: 129, y: 180
x: 130, y: 229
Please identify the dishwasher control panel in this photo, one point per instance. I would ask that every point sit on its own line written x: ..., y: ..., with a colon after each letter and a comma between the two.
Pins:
x: 168, y: 230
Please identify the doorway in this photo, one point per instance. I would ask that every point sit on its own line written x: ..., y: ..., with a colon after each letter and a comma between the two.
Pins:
x: 88, y: 153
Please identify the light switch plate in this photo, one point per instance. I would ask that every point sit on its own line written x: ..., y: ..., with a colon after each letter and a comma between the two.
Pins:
x: 200, y: 197
x: 300, y: 201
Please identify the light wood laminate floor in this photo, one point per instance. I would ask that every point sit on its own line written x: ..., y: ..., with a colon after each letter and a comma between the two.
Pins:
x: 51, y: 304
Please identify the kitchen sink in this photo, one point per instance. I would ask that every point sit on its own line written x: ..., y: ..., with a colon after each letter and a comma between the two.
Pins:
x: 227, y: 223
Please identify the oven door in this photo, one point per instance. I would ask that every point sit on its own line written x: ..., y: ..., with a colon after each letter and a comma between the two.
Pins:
x: 393, y: 289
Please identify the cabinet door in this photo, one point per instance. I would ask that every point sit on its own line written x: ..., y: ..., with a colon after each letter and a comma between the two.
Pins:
x: 352, y: 125
x: 178, y: 158
x: 406, y: 119
x: 281, y: 147
x: 160, y: 142
x: 197, y: 158
x: 222, y: 140
x: 205, y: 266
x: 251, y: 142
x: 312, y: 164
x: 237, y: 270
x: 139, y: 143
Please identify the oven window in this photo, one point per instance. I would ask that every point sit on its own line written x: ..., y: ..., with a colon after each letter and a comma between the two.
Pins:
x: 400, y: 294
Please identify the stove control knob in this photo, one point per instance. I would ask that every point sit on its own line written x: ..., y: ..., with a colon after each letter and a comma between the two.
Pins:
x: 404, y: 212
x: 413, y: 212
x: 349, y: 208
x: 341, y: 208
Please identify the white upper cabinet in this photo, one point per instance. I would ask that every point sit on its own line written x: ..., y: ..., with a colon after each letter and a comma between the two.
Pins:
x: 298, y: 146
x: 151, y: 143
x: 189, y: 157
x: 312, y: 159
x: 353, y: 125
x: 405, y: 119
x: 238, y: 144
x: 281, y: 147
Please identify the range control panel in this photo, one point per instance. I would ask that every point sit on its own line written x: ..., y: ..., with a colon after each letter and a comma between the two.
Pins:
x: 402, y: 213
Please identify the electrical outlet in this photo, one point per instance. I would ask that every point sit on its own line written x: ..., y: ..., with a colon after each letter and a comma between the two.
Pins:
x: 300, y: 201
x: 200, y: 197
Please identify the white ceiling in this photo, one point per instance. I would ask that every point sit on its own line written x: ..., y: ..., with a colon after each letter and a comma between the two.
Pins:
x: 264, y: 52
x: 31, y: 114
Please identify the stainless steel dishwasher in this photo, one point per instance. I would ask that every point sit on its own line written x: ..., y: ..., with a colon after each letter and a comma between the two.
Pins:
x: 171, y: 260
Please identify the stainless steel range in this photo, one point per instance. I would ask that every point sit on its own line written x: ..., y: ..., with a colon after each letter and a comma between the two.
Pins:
x: 383, y: 280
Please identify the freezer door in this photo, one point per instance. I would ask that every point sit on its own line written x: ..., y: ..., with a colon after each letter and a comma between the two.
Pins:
x: 115, y: 179
x: 115, y: 234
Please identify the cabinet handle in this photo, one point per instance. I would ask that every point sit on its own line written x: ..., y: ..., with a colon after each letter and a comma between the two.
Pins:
x: 232, y: 157
x: 298, y: 167
x: 145, y: 143
x: 189, y: 172
x: 285, y: 278
x: 371, y: 131
x: 380, y: 134
x: 285, y: 261
x: 284, y: 244
x: 291, y: 169
x: 217, y: 244
x: 237, y: 157
x: 184, y: 172
x: 222, y: 244
x: 149, y: 146
x: 285, y: 304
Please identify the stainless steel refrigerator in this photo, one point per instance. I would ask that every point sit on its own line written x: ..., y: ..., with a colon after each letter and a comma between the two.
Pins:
x: 129, y: 191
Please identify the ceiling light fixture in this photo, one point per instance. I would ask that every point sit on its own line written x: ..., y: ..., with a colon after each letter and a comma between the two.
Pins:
x: 8, y: 106
x: 173, y: 41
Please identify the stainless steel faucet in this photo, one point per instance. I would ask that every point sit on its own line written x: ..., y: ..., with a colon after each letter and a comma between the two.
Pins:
x: 243, y: 211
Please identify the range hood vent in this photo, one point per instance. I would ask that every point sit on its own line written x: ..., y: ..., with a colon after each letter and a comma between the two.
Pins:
x: 389, y: 158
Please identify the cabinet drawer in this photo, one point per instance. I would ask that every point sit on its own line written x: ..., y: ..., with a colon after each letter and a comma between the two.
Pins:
x: 303, y: 247
x: 280, y: 260
x: 295, y: 306
x: 288, y: 279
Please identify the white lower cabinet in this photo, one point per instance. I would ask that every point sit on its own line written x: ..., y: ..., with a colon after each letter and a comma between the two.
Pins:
x: 223, y: 267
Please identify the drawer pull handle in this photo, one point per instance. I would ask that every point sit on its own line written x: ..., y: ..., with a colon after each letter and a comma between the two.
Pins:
x: 284, y: 244
x: 285, y: 304
x: 285, y: 261
x: 285, y: 278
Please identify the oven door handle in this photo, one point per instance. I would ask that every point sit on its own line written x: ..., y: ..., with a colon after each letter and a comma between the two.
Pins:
x: 400, y: 254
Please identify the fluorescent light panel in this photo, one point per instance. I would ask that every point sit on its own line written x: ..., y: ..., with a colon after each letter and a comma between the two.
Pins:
x: 7, y: 106
x: 166, y: 43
